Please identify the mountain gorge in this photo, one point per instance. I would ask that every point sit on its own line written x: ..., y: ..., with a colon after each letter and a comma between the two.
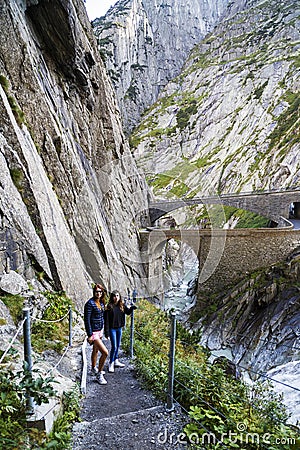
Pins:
x: 224, y: 120
x: 230, y: 121
x: 166, y: 99
x: 72, y: 197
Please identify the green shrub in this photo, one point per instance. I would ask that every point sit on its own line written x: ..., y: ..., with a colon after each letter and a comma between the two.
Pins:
x: 17, y: 176
x: 15, y: 305
x: 4, y: 82
x: 52, y: 335
x: 14, y: 432
x: 185, y: 112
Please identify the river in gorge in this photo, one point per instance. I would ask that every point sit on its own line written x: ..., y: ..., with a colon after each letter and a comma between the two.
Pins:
x: 181, y: 297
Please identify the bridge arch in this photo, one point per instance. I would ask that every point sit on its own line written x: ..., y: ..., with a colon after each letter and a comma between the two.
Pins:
x: 180, y: 275
x: 294, y: 210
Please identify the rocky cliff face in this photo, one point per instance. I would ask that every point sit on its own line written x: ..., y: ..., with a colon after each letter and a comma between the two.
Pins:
x: 145, y: 43
x: 230, y: 121
x: 71, y: 196
x: 258, y: 319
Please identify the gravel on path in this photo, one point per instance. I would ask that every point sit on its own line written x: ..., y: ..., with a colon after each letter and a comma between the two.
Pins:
x: 122, y: 415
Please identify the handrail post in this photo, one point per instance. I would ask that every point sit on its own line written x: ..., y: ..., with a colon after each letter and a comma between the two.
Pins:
x: 131, y: 334
x: 170, y: 398
x: 27, y: 354
x: 70, y: 326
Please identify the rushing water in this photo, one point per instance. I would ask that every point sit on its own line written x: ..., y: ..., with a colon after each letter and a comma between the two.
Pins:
x: 288, y: 376
x: 180, y: 297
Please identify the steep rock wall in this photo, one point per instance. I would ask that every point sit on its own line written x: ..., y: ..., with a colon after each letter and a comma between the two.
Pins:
x: 71, y: 196
x: 145, y: 43
x: 258, y: 319
x: 230, y: 121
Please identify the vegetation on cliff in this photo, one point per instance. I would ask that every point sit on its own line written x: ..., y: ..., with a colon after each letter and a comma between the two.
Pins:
x: 14, y: 430
x: 223, y: 410
x: 48, y: 331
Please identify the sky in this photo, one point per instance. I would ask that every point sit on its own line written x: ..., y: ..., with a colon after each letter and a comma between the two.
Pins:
x: 97, y: 8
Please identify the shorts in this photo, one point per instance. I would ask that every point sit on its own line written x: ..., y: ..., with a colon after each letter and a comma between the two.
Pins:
x: 97, y: 335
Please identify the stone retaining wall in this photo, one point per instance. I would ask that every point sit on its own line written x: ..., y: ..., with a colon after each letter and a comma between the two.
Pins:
x: 246, y: 251
x: 225, y: 256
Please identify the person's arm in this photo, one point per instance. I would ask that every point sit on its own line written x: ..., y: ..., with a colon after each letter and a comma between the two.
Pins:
x: 127, y: 310
x: 106, y: 323
x: 87, y: 319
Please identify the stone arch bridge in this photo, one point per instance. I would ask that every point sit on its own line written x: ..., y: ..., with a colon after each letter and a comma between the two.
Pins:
x: 272, y: 204
x: 225, y: 256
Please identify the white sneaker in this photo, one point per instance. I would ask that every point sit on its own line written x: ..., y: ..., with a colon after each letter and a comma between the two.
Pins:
x: 119, y: 364
x: 111, y: 367
x: 100, y: 379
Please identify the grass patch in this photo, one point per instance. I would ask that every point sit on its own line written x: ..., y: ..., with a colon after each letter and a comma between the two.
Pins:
x: 287, y: 128
x: 218, y: 215
x: 15, y: 304
x: 16, y: 110
x: 50, y: 334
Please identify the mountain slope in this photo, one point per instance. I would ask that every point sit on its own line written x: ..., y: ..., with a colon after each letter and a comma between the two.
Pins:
x: 230, y: 120
x: 145, y: 43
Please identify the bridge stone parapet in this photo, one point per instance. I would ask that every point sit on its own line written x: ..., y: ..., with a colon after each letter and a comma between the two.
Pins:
x: 270, y: 204
x: 225, y: 256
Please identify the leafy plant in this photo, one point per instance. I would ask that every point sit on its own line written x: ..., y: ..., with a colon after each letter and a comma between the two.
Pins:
x: 14, y: 432
x: 15, y: 389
